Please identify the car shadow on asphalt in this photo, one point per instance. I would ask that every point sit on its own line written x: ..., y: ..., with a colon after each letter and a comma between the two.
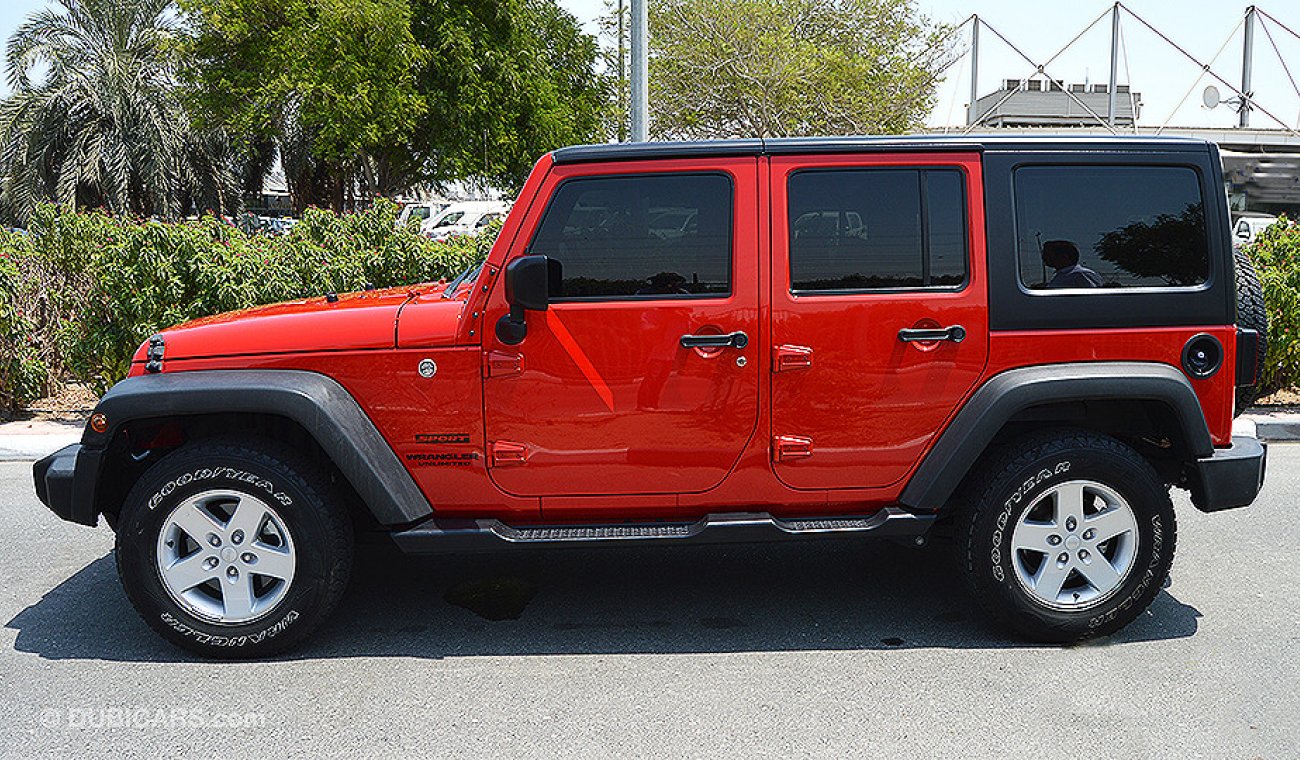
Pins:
x: 836, y: 595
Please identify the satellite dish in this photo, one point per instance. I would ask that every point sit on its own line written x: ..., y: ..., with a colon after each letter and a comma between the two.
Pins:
x: 1210, y: 97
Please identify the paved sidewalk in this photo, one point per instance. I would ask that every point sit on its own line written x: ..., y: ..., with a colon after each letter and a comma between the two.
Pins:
x: 29, y: 440
x: 1279, y: 426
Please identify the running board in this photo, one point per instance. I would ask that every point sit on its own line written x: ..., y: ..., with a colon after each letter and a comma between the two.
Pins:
x: 453, y: 535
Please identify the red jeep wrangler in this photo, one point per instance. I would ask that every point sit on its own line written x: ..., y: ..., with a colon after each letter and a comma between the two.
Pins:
x: 1021, y: 342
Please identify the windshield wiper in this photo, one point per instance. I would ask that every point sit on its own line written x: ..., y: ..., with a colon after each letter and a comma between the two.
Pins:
x: 454, y: 284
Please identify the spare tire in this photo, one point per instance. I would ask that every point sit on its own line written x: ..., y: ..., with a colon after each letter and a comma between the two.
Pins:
x: 1251, y: 315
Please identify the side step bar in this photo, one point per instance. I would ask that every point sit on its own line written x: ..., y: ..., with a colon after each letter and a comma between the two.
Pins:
x: 456, y: 535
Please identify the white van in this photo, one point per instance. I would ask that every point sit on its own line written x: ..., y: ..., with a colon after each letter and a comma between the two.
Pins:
x: 465, y: 218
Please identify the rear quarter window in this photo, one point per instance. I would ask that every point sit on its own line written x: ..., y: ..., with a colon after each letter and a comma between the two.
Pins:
x: 1106, y: 228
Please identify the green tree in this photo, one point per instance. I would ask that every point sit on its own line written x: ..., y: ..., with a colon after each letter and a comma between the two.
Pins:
x: 331, y: 81
x: 102, y: 122
x: 766, y: 68
x: 505, y: 81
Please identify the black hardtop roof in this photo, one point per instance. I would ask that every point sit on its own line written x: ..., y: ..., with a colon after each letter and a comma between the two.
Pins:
x: 873, y: 144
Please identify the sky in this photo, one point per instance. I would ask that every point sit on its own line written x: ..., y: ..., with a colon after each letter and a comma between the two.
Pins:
x: 1154, y: 69
x: 1162, y: 76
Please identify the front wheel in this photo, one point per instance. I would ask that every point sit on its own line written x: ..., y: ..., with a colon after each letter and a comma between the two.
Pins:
x: 1067, y: 535
x: 234, y: 548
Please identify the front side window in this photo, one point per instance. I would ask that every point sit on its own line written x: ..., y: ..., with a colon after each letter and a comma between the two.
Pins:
x: 876, y: 228
x: 651, y: 235
x: 1106, y: 227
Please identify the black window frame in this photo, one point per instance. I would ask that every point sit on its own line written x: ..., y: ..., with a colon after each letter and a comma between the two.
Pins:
x: 731, y: 236
x: 1206, y: 284
x: 925, y: 228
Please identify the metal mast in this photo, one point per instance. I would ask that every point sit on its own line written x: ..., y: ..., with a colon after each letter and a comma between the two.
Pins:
x: 640, y: 110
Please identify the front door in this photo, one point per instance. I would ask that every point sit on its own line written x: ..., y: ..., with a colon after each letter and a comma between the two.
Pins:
x: 609, y: 393
x: 879, y: 315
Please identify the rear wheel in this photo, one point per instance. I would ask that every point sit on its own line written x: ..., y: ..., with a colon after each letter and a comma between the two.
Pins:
x: 1067, y: 535
x: 234, y: 548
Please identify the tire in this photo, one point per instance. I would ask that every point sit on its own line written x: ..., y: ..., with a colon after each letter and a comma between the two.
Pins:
x: 1252, y: 315
x: 272, y: 560
x: 1014, y: 504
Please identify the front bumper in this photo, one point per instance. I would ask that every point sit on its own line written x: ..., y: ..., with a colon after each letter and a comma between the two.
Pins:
x: 1232, y: 476
x: 65, y: 483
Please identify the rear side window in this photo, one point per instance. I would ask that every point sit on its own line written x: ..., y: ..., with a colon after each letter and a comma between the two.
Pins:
x: 876, y: 229
x: 652, y: 235
x: 1107, y: 227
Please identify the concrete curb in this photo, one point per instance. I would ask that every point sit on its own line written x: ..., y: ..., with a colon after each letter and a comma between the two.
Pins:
x: 29, y: 441
x: 1277, y: 427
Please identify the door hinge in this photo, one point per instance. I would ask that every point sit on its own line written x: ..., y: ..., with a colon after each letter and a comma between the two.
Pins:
x: 788, y: 447
x: 787, y: 358
x: 508, y: 454
x: 502, y: 364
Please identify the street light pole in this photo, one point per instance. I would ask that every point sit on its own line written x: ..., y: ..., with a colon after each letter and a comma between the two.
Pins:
x: 1113, y: 83
x: 1247, y: 58
x: 640, y: 111
x: 622, y: 70
x: 972, y: 110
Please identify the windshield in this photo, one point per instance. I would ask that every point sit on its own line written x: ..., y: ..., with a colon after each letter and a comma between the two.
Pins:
x: 451, y: 217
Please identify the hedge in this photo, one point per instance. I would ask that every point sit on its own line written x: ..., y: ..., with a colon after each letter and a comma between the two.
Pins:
x: 81, y: 291
x: 1276, y: 255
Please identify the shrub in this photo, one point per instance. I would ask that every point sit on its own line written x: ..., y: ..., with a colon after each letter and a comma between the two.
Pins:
x: 91, y: 287
x: 22, y: 374
x: 1276, y: 255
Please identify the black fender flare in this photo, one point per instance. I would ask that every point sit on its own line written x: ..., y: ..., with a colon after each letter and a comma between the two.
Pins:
x: 323, y: 408
x: 1004, y: 395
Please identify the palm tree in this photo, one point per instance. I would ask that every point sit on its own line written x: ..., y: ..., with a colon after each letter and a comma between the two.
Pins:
x: 104, y: 125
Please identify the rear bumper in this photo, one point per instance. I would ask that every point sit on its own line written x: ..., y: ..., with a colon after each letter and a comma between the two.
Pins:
x: 1232, y: 476
x: 65, y: 483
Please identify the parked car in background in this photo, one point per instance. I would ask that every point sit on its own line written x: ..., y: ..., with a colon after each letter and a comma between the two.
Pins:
x: 464, y: 218
x: 1246, y: 227
x: 421, y: 211
x: 266, y: 225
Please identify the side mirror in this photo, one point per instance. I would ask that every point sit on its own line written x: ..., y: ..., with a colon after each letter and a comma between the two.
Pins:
x: 530, y: 280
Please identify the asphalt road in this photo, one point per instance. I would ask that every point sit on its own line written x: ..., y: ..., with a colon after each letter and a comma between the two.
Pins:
x: 835, y: 649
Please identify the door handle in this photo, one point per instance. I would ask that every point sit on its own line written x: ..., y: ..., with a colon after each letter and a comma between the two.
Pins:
x: 956, y: 334
x: 731, y: 340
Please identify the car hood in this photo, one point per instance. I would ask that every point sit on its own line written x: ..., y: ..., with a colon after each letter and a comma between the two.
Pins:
x: 346, y: 322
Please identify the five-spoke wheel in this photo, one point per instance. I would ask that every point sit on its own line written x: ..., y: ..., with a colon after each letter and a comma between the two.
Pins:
x: 234, y: 547
x: 1066, y: 534
x: 226, y: 556
x: 1075, y: 544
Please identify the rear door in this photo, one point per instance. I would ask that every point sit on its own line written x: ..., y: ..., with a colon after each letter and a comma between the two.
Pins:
x: 879, y: 311
x: 602, y: 397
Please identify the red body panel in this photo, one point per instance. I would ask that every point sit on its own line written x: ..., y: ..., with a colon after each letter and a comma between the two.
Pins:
x: 606, y: 400
x: 1009, y: 350
x: 355, y: 321
x: 600, y: 415
x: 870, y: 403
x: 435, y: 425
